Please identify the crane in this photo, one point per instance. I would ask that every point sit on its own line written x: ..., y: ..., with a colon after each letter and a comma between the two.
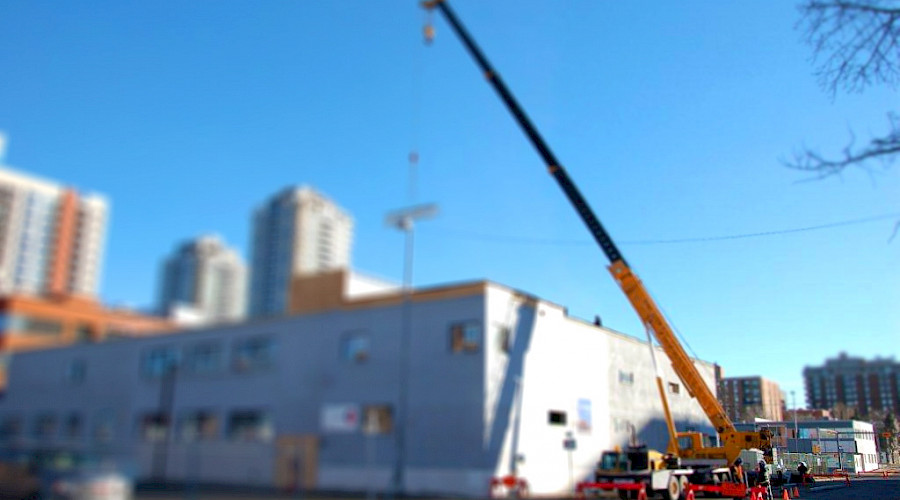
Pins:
x: 690, y: 444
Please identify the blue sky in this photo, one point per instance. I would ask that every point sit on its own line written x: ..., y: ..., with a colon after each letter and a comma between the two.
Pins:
x: 671, y: 118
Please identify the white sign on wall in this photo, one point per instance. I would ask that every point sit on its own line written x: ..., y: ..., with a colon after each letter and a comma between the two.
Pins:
x: 340, y: 418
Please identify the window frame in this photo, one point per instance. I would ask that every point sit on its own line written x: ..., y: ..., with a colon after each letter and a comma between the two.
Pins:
x: 241, y: 363
x: 263, y: 431
x: 362, y: 353
x: 459, y: 341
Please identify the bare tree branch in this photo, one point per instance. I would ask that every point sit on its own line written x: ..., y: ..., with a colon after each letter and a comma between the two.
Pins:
x: 856, y: 43
x: 884, y: 149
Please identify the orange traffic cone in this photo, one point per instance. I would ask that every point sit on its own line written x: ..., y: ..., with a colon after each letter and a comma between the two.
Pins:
x: 784, y: 494
x: 642, y: 494
x: 795, y: 492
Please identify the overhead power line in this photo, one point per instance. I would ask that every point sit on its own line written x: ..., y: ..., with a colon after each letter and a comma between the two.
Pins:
x: 562, y: 242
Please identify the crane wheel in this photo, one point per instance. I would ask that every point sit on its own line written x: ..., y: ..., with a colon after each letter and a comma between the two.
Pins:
x: 673, y: 489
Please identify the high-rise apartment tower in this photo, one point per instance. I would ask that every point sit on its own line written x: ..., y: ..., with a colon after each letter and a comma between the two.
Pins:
x: 297, y: 231
x: 208, y: 278
x: 51, y: 238
x: 747, y: 398
x: 855, y: 383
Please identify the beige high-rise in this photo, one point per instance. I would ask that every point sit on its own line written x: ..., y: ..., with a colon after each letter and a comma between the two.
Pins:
x: 297, y: 231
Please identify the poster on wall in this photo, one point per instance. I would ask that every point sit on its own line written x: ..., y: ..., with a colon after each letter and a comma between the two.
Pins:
x: 340, y: 418
x: 583, y: 422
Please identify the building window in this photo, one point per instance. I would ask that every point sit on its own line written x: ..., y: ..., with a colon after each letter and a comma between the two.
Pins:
x: 10, y: 427
x: 504, y: 338
x: 83, y: 332
x: 355, y: 347
x: 45, y: 426
x: 76, y: 371
x: 626, y: 378
x: 35, y: 326
x: 154, y: 427
x: 465, y: 337
x: 250, y: 425
x: 72, y: 426
x: 104, y: 426
x: 159, y: 361
x: 555, y: 417
x: 378, y: 419
x: 199, y: 426
x: 255, y: 353
x: 674, y: 388
x: 204, y: 359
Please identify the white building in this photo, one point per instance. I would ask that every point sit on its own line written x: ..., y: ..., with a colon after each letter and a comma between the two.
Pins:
x: 207, y: 277
x: 51, y: 238
x: 312, y: 400
x: 837, y: 444
x: 297, y: 231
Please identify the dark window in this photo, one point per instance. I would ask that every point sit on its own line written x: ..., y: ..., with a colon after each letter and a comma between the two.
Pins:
x: 250, y: 425
x: 355, y: 347
x: 159, y: 361
x: 38, y: 326
x: 255, y: 353
x: 104, y: 426
x: 154, y: 426
x: 674, y: 388
x: 465, y: 337
x: 76, y: 371
x: 45, y: 426
x: 205, y: 358
x: 83, y: 332
x: 378, y: 419
x: 504, y: 338
x: 199, y: 426
x: 72, y: 426
x: 556, y: 417
x: 10, y: 427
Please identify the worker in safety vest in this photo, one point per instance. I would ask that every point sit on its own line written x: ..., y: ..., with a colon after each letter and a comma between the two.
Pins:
x: 737, y: 470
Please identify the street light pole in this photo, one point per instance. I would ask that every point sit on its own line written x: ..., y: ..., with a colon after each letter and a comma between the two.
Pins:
x: 796, y: 432
x: 404, y: 220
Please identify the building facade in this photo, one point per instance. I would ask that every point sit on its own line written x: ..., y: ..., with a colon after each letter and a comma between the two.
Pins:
x: 51, y: 238
x: 207, y: 277
x: 747, y: 398
x: 297, y: 231
x: 854, y: 385
x: 494, y: 379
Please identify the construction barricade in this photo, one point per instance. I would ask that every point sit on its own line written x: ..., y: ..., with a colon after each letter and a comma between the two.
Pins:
x: 508, y: 486
x: 585, y: 488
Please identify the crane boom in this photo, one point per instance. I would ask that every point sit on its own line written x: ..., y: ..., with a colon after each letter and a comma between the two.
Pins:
x: 640, y: 299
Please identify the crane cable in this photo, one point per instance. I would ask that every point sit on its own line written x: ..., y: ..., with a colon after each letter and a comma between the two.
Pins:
x: 416, y: 106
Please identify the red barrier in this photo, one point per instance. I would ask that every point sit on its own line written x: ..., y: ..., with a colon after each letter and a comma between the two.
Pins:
x: 736, y: 490
x: 507, y: 485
